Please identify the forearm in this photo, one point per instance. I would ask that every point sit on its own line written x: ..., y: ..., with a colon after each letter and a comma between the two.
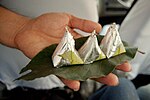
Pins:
x: 10, y: 24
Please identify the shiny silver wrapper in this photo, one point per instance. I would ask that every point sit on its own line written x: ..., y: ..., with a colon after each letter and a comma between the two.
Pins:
x: 65, y: 53
x: 111, y: 44
x: 90, y: 50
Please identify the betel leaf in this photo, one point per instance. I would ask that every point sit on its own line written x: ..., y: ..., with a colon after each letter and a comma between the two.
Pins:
x: 41, y: 65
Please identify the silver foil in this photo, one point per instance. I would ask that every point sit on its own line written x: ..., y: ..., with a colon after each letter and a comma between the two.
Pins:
x: 111, y: 44
x: 67, y: 44
x: 90, y: 51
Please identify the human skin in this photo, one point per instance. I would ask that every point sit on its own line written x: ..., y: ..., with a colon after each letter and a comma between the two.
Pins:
x: 32, y: 35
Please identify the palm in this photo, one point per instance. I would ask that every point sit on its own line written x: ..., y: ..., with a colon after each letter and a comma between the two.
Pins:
x: 46, y: 30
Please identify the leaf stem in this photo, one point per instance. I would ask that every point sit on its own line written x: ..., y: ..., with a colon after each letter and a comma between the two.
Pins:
x: 141, y: 52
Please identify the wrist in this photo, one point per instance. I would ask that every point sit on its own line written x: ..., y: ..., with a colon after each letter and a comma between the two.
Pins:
x: 10, y: 24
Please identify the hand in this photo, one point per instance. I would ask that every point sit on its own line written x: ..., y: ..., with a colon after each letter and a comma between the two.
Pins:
x: 48, y: 29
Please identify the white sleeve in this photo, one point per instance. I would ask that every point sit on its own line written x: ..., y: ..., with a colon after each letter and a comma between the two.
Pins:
x: 136, y: 30
x: 86, y: 9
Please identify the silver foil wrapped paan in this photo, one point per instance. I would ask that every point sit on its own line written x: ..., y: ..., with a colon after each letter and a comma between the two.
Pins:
x: 65, y: 53
x: 90, y: 50
x: 111, y: 44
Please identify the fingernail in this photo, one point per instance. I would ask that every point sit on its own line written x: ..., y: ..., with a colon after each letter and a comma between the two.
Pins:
x: 117, y: 83
x: 76, y: 89
x: 76, y: 86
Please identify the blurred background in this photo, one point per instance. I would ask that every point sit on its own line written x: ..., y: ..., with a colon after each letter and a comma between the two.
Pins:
x: 114, y: 10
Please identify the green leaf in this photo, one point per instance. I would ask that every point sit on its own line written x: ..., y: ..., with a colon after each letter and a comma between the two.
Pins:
x: 41, y: 65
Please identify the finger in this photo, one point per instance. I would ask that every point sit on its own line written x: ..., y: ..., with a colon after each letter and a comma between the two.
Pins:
x: 126, y: 67
x: 111, y: 80
x: 74, y: 33
x: 84, y: 25
x: 73, y: 84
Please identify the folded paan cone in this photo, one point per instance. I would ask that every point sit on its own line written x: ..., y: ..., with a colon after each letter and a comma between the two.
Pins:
x: 111, y: 44
x: 90, y: 51
x: 65, y: 53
